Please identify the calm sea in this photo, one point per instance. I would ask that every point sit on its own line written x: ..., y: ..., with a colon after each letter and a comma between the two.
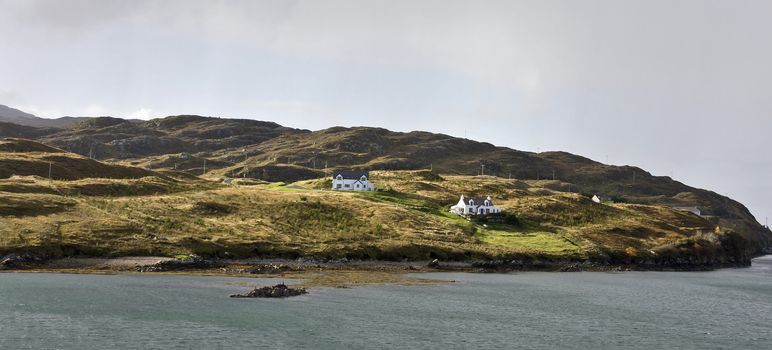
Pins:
x: 726, y: 309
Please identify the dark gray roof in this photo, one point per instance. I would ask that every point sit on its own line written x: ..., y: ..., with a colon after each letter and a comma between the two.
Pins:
x: 477, y: 200
x: 351, y: 174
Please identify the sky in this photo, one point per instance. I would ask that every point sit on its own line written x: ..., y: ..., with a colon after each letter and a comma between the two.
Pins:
x: 680, y: 88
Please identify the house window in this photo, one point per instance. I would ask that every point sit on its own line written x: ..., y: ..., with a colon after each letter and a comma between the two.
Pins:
x: 347, y: 185
x: 357, y: 185
x: 337, y: 186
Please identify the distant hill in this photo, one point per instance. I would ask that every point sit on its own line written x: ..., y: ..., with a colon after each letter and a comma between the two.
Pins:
x: 268, y: 151
x: 20, y: 157
x: 17, y: 130
x: 107, y: 137
x: 12, y: 115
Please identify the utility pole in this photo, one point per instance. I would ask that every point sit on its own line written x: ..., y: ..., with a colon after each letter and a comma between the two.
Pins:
x: 569, y: 187
x: 553, y: 174
x: 510, y: 175
x: 49, y: 170
x: 431, y: 167
x: 204, y: 173
x: 246, y: 167
x: 482, y: 169
x: 607, y: 159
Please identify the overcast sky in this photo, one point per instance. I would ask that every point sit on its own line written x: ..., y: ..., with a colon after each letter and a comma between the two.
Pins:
x: 680, y: 88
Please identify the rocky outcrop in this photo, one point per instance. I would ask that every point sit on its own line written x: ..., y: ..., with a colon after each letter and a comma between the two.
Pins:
x: 192, y: 262
x: 270, y: 269
x: 571, y: 268
x: 277, y: 291
x: 14, y: 261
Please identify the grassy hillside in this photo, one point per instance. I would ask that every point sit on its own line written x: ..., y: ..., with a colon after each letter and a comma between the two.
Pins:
x: 406, y: 219
x: 25, y: 157
x: 269, y: 152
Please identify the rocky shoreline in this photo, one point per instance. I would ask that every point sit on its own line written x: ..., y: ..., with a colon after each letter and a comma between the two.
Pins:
x: 195, y: 264
x: 569, y: 266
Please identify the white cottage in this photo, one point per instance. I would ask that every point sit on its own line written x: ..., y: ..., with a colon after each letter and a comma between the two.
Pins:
x: 693, y: 210
x: 352, y: 180
x: 474, y: 206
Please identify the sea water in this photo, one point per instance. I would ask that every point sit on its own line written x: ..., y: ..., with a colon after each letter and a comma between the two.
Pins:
x: 724, y: 309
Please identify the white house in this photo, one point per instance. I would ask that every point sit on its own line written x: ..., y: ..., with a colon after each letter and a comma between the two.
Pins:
x: 474, y: 206
x: 693, y: 210
x: 352, y: 180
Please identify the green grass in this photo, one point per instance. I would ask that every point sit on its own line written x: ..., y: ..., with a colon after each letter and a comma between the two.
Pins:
x: 397, y: 198
x: 528, y: 241
x: 281, y: 186
x: 452, y: 217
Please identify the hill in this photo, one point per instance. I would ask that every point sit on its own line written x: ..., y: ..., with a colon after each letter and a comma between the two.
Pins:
x: 115, y: 138
x: 16, y: 130
x: 15, y: 116
x: 25, y: 157
x: 220, y: 147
